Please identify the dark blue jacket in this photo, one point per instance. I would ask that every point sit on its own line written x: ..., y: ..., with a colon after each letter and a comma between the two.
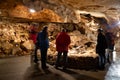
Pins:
x: 42, y: 40
x: 101, y: 44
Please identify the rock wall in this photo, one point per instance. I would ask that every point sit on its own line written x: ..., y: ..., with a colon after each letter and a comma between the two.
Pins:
x: 14, y: 38
x: 44, y: 11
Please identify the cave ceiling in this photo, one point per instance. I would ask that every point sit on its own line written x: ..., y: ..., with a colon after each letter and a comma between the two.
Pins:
x: 65, y: 10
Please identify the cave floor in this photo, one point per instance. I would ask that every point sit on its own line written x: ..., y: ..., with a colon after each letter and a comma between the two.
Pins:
x: 21, y: 68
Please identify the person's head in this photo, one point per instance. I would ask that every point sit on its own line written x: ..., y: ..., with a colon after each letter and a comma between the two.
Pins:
x: 63, y: 30
x: 45, y: 28
x: 35, y: 24
x: 100, y: 30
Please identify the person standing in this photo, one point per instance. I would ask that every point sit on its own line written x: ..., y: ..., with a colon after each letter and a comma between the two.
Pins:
x: 110, y: 41
x: 43, y: 44
x: 100, y: 48
x: 33, y: 37
x: 62, y: 44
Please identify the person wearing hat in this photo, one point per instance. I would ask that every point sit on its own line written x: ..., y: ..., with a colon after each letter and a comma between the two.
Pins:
x: 43, y: 44
x: 100, y: 48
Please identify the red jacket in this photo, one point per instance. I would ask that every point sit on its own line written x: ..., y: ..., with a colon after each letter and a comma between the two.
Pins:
x: 33, y: 37
x: 33, y: 34
x: 62, y: 41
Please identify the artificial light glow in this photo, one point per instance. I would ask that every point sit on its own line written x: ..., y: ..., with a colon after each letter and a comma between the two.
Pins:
x: 32, y: 10
x: 92, y: 23
x: 119, y: 23
x: 5, y: 30
x: 118, y: 35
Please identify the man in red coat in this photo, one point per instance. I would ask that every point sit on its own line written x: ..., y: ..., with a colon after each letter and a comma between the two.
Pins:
x: 62, y: 44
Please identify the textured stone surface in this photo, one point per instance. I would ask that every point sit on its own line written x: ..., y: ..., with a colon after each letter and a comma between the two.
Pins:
x: 68, y: 10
